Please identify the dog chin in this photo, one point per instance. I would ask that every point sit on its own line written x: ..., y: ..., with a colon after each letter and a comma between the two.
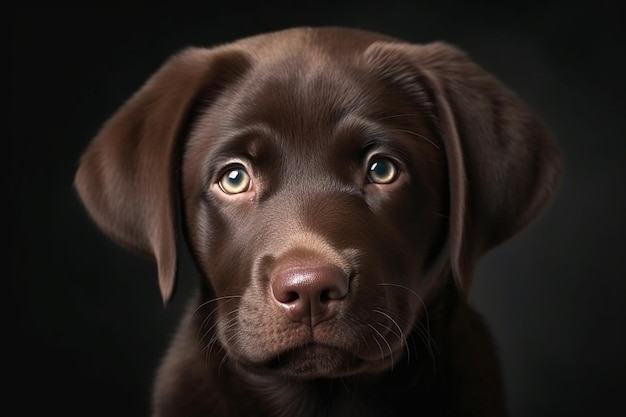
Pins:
x: 319, y: 361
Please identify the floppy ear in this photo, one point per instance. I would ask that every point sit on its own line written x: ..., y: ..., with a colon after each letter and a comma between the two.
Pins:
x: 126, y: 177
x: 503, y: 164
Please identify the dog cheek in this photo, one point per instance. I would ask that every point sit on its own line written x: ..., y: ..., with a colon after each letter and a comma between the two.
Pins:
x: 413, y: 234
x: 216, y: 233
x: 401, y: 224
x: 256, y: 332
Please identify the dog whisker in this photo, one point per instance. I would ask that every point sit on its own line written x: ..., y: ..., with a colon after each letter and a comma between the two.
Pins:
x: 364, y: 340
x: 206, y: 319
x: 206, y: 331
x: 399, y: 336
x: 425, y: 337
x: 204, y: 323
x: 382, y: 352
x: 217, y: 322
x: 410, y: 291
x: 222, y: 362
x: 381, y: 348
x: 422, y: 330
x: 228, y: 324
x: 395, y: 323
x: 389, y: 329
x: 213, y: 300
x: 349, y: 390
x: 209, y: 348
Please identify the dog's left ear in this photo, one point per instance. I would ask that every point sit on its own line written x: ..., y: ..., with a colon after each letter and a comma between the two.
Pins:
x: 503, y: 164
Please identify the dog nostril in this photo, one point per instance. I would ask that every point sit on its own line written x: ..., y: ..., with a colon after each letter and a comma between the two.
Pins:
x: 309, y: 294
x: 332, y: 294
x: 325, y: 296
x: 289, y: 297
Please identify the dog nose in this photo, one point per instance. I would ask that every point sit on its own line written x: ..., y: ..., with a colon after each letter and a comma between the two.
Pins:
x: 310, y: 294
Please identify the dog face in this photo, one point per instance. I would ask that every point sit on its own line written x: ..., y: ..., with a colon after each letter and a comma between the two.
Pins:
x: 315, y: 195
x: 331, y: 180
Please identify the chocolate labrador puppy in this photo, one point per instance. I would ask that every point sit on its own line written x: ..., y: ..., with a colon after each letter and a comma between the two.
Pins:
x: 336, y: 189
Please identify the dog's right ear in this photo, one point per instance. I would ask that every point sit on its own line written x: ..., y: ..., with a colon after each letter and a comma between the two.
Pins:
x: 126, y: 177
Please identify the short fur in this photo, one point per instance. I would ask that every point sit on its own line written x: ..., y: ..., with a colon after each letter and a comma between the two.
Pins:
x: 326, y: 290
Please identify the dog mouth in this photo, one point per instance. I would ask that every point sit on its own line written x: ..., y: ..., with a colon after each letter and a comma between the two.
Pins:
x: 312, y: 360
x: 317, y: 360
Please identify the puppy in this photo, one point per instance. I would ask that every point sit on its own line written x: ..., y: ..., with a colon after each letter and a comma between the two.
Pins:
x: 336, y: 189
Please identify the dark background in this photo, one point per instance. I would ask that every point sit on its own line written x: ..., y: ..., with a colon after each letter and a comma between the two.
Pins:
x: 90, y: 324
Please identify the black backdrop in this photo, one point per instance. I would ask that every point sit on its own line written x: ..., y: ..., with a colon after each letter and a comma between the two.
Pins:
x: 90, y: 325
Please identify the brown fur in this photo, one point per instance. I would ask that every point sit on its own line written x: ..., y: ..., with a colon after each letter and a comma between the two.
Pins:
x: 324, y: 292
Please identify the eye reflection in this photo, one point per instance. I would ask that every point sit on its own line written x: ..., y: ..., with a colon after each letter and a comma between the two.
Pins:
x: 235, y: 181
x: 382, y: 171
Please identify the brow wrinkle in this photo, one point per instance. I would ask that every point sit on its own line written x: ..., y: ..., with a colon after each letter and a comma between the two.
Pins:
x: 394, y: 116
x: 410, y: 132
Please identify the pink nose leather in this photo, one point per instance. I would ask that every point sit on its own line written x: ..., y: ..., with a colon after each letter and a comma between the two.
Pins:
x: 310, y: 294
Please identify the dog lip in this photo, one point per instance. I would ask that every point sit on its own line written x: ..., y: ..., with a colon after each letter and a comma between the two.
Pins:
x: 319, y: 360
x: 311, y: 360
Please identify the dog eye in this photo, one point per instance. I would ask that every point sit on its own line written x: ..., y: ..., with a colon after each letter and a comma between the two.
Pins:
x: 382, y: 171
x: 235, y: 181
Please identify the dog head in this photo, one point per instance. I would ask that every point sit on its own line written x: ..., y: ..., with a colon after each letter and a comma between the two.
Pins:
x: 330, y: 179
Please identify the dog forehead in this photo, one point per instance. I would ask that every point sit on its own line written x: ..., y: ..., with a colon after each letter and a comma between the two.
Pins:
x: 338, y: 41
x: 301, y: 94
x: 302, y: 80
x: 316, y: 66
x: 308, y: 101
x: 304, y: 91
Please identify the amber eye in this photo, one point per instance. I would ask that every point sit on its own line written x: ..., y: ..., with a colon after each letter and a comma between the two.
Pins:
x: 235, y: 181
x: 382, y: 171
